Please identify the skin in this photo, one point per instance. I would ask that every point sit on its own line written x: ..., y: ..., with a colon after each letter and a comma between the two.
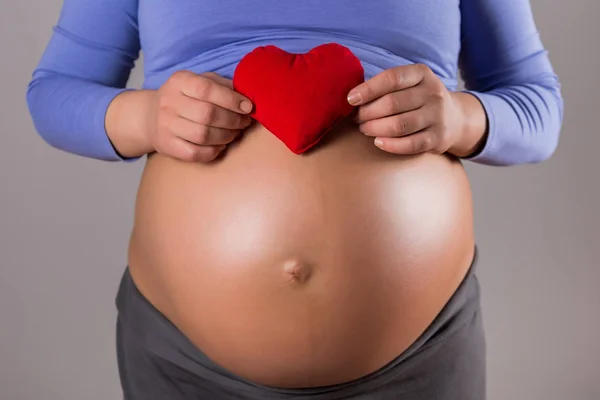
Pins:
x: 269, y: 278
x: 302, y: 271
x: 191, y: 117
x: 409, y: 110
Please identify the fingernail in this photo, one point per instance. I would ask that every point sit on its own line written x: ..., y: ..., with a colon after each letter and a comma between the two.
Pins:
x: 354, y: 98
x: 378, y: 142
x: 246, y: 106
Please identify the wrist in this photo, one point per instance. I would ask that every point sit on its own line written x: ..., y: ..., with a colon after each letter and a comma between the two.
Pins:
x: 472, y: 134
x: 129, y: 121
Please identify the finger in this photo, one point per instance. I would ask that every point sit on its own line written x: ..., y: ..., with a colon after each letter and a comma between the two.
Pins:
x: 393, y: 103
x: 397, y: 125
x: 202, y: 134
x: 190, y: 152
x: 202, y: 88
x: 412, y: 144
x: 388, y: 81
x: 205, y: 113
x: 221, y: 80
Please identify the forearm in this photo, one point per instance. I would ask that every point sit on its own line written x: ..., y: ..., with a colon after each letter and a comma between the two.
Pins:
x: 128, y: 122
x: 84, y: 67
x: 70, y: 113
x: 473, y: 136
x: 524, y: 123
x: 506, y: 67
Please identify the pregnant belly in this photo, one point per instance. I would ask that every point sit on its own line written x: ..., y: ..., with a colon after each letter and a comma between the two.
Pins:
x: 296, y: 271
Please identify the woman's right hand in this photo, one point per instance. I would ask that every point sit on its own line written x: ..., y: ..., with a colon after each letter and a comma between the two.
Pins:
x: 194, y: 117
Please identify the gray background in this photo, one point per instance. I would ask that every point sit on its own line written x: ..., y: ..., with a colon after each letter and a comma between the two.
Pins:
x: 65, y: 223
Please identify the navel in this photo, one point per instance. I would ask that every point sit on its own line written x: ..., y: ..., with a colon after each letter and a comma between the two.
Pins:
x: 296, y: 271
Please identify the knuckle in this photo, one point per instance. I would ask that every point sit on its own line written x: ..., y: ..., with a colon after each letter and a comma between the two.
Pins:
x: 206, y: 113
x: 422, y: 144
x: 180, y: 76
x: 199, y: 86
x: 427, y: 142
x: 202, y: 88
x: 421, y: 120
x: 392, y: 103
x: 201, y: 134
x: 439, y: 93
x: 209, y: 74
x: 394, y: 78
x: 401, y: 125
x: 422, y: 68
x: 416, y: 147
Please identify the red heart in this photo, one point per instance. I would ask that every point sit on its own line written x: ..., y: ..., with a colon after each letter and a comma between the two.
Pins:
x: 299, y: 97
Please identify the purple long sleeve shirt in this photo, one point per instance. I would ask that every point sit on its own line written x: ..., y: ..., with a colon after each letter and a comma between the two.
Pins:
x: 493, y: 44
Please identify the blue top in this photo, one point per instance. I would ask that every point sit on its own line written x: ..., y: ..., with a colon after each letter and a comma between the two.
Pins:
x: 494, y: 42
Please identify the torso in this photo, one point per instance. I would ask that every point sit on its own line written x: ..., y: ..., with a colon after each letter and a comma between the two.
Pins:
x: 301, y: 270
x: 309, y: 270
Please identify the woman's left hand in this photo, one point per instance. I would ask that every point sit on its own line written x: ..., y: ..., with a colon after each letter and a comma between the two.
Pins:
x: 408, y: 110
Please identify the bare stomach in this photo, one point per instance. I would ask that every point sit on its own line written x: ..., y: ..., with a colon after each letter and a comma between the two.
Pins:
x: 298, y: 271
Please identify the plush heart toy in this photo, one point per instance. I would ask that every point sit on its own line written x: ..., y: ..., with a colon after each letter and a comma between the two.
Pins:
x: 299, y: 97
